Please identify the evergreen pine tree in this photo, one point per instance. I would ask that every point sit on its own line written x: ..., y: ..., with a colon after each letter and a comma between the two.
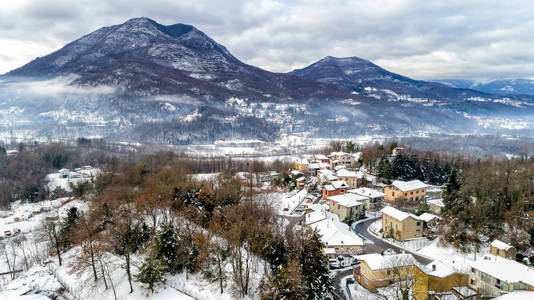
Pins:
x: 451, y: 195
x: 151, y: 271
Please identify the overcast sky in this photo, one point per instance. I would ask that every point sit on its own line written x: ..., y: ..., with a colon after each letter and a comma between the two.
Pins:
x: 420, y: 39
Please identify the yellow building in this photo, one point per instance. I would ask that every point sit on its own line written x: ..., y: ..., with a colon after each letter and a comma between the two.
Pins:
x: 436, y: 277
x: 381, y: 270
x: 502, y: 249
x: 303, y: 165
x: 413, y: 190
x: 347, y: 206
x: 400, y: 225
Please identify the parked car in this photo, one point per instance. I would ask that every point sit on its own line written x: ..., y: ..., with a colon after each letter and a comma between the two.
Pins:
x: 389, y: 251
x: 7, y: 233
x: 334, y: 263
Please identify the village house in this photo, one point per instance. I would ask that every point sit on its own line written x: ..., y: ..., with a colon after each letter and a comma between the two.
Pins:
x: 337, y: 187
x: 342, y: 158
x: 398, y: 151
x: 400, y: 225
x: 381, y: 270
x: 502, y: 249
x: 302, y: 165
x: 352, y: 178
x: 373, y: 197
x: 347, y: 206
x: 436, y: 206
x: 335, y: 235
x: 492, y: 276
x: 322, y: 158
x: 413, y: 190
x: 436, y: 278
x: 428, y: 219
x: 324, y: 176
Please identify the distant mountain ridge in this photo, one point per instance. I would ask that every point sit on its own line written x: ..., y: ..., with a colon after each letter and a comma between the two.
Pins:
x: 362, y: 76
x: 501, y: 87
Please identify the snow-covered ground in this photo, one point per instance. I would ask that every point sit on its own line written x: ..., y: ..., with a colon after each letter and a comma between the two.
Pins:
x: 285, y: 203
x: 65, y: 178
x: 450, y: 255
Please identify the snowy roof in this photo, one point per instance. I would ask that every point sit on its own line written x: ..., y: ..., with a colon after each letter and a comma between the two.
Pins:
x: 314, y: 166
x: 329, y: 187
x: 464, y: 291
x: 339, y: 167
x: 377, y: 261
x: 409, y: 185
x: 519, y: 295
x: 437, y: 202
x: 427, y: 217
x: 316, y: 207
x: 347, y: 173
x: 367, y: 192
x: 302, y: 161
x: 501, y: 245
x: 440, y: 269
x: 335, y: 233
x: 340, y: 153
x: 323, y: 165
x: 338, y: 184
x: 296, y: 173
x: 397, y: 214
x: 320, y: 215
x: 328, y: 174
x: 348, y: 200
x: 320, y: 156
x: 504, y: 269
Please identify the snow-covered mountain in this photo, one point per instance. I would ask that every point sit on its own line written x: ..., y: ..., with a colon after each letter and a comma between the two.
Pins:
x: 143, y: 57
x: 500, y: 87
x: 362, y: 76
x: 142, y: 81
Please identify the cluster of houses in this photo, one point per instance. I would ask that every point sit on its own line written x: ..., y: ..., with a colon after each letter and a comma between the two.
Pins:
x: 489, y: 276
x: 345, y: 196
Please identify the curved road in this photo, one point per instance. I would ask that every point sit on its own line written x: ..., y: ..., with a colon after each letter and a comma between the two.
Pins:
x: 378, y: 244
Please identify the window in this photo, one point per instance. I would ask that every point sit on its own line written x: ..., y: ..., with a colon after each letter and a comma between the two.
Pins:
x: 418, y: 223
x: 393, y: 194
x: 388, y: 272
x: 411, y: 193
x: 418, y: 230
x: 417, y: 191
x: 411, y: 198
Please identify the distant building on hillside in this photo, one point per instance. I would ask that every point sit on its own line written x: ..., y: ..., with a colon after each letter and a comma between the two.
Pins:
x: 502, y: 249
x: 436, y: 206
x: 398, y: 151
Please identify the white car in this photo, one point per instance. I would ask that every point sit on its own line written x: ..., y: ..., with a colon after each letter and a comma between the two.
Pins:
x: 389, y: 251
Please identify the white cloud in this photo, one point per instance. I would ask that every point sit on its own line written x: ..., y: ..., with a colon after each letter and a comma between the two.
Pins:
x: 418, y: 38
x: 56, y: 86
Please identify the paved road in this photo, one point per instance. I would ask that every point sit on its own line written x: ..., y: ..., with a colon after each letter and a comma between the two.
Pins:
x: 338, y: 285
x: 378, y: 245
